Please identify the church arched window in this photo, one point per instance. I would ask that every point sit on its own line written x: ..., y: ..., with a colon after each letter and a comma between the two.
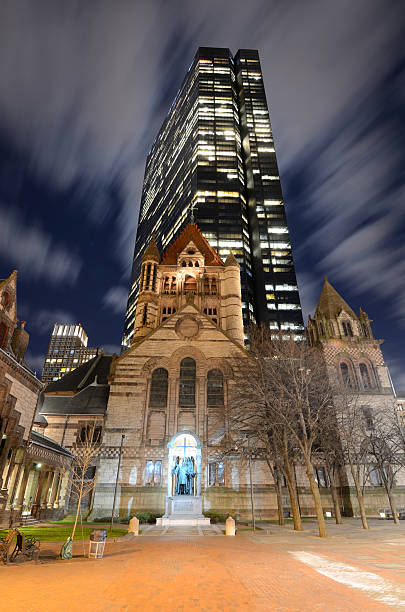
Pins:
x: 215, y: 388
x: 158, y: 388
x: 344, y: 370
x: 145, y: 315
x: 187, y: 382
x: 365, y: 376
x: 173, y: 285
x: 190, y: 285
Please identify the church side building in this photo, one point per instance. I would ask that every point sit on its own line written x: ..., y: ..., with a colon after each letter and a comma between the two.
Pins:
x: 354, y: 360
x: 32, y: 466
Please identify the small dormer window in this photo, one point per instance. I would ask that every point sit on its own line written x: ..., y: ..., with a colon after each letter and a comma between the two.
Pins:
x: 190, y: 264
x: 191, y: 252
x: 347, y: 328
x: 183, y: 263
x: 3, y: 333
x: 197, y: 265
x: 5, y: 299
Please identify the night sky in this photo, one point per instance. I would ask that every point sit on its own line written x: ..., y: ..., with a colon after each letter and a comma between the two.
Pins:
x: 84, y: 88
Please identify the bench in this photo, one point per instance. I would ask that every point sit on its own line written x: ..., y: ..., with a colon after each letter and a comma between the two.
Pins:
x: 6, y: 546
x: 25, y: 545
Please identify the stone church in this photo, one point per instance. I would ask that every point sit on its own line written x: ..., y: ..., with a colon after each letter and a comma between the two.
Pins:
x: 188, y: 331
x: 163, y: 393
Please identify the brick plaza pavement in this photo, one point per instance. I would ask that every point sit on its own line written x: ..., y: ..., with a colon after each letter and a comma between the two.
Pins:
x: 282, y: 570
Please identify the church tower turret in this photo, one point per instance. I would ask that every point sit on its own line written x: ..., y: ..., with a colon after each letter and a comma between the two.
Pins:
x: 231, y: 295
x: 351, y: 352
x: 147, y: 308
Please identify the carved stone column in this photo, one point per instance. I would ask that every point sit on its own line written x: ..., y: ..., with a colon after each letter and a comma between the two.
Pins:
x: 10, y: 468
x: 3, y: 459
x: 46, y: 488
x: 54, y: 489
x: 19, y: 464
x: 23, y: 485
x: 38, y: 492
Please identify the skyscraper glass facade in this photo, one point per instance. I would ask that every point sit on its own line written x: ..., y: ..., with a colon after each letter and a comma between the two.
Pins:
x: 214, y: 160
x: 66, y: 351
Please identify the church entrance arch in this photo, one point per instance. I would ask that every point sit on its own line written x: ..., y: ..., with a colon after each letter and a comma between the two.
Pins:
x: 184, y: 449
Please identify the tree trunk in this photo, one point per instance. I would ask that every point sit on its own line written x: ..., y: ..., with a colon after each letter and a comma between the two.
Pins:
x: 78, y: 507
x: 392, y: 505
x: 280, y: 508
x: 295, y: 509
x: 334, y: 495
x: 317, y: 499
x: 359, y: 496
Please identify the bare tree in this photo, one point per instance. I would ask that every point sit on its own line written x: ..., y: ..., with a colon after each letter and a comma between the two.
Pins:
x: 352, y: 433
x: 81, y: 476
x: 384, y: 447
x: 298, y: 396
x: 332, y: 457
x: 284, y: 396
x: 249, y: 423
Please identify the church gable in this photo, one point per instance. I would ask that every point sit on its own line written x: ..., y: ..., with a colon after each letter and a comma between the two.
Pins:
x: 331, y: 304
x: 191, y: 257
x: 189, y: 325
x: 191, y: 234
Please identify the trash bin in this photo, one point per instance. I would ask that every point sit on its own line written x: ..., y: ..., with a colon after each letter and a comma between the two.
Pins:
x: 97, y: 543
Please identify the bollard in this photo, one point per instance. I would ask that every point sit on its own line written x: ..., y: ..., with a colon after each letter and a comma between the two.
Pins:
x: 230, y: 526
x: 133, y: 526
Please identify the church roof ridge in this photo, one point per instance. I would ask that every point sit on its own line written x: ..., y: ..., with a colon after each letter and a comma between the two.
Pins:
x: 331, y: 302
x: 191, y: 232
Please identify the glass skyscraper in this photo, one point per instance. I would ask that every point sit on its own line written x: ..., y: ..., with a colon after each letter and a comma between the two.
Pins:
x: 214, y: 160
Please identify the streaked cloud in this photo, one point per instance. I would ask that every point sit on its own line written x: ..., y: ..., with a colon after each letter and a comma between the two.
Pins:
x: 26, y: 246
x: 116, y: 299
x: 44, y: 320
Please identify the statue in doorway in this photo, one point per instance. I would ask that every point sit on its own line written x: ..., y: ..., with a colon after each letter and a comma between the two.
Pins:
x: 184, y: 474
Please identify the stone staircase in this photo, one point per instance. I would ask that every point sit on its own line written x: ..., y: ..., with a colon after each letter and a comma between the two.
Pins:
x: 28, y: 520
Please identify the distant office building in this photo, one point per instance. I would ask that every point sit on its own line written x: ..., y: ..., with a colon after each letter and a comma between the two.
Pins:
x: 67, y: 350
x: 213, y: 162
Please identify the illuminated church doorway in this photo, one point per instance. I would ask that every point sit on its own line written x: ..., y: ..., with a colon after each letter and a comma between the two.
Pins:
x: 184, y: 449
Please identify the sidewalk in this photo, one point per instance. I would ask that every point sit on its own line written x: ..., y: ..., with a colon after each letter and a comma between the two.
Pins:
x: 252, y: 571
